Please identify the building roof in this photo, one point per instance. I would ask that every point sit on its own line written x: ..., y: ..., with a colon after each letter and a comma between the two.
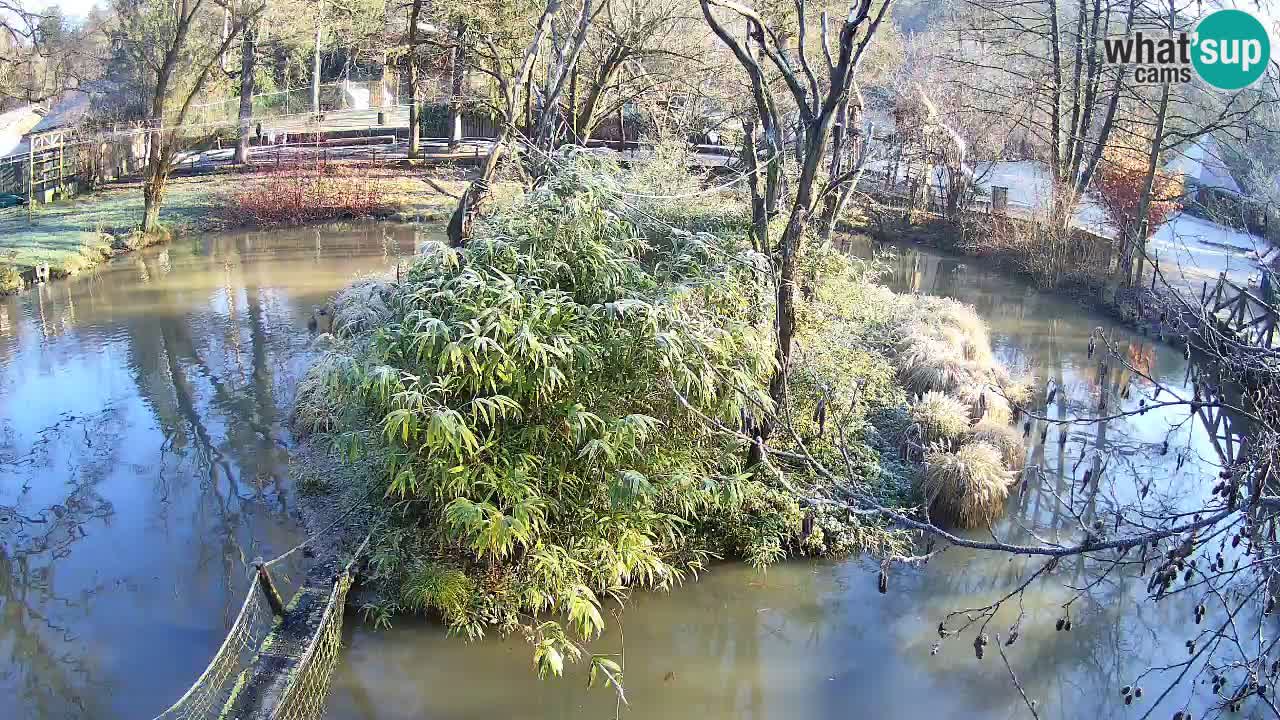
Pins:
x: 69, y: 109
x: 15, y: 124
x: 1201, y: 163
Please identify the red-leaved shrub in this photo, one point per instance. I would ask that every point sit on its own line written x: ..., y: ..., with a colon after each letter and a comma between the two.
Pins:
x: 1121, y: 179
x: 309, y: 193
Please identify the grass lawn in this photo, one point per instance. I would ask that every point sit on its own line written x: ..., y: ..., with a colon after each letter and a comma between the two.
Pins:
x: 69, y: 235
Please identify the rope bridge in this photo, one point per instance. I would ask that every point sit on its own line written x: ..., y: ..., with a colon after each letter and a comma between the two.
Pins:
x: 277, y: 661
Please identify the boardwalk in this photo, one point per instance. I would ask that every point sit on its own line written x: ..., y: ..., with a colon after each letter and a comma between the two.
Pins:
x: 1241, y: 314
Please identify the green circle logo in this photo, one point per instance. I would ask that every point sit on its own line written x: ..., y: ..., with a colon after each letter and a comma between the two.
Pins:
x: 1232, y: 49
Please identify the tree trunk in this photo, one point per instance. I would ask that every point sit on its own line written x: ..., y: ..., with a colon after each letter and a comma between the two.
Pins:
x: 585, y: 118
x: 759, y: 218
x: 786, y: 259
x: 455, y: 89
x: 315, y: 64
x: 1136, y: 235
x: 415, y: 120
x: 1137, y: 245
x: 248, y: 62
x: 157, y: 176
x: 463, y: 219
x: 415, y: 129
x: 826, y: 219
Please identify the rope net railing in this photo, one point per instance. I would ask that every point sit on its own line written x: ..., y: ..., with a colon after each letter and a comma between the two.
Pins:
x: 210, y: 693
x: 308, y: 689
x: 262, y: 630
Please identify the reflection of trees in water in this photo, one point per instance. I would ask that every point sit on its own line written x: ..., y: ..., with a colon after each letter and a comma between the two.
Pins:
x: 209, y: 372
x: 220, y: 459
x: 1076, y: 673
x: 49, y: 671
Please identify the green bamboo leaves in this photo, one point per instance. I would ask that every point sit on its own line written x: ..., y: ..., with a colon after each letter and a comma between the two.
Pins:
x: 518, y: 401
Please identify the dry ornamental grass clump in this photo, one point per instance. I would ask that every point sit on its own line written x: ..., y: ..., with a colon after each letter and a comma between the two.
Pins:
x: 926, y: 364
x: 942, y: 418
x: 1007, y: 440
x: 986, y: 403
x: 966, y: 489
x: 942, y: 345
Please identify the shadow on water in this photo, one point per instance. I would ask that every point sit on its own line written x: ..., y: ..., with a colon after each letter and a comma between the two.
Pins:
x: 144, y: 458
x: 815, y: 639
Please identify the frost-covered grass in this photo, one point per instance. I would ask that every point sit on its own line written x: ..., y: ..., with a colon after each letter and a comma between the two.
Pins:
x: 71, y: 235
x: 68, y: 235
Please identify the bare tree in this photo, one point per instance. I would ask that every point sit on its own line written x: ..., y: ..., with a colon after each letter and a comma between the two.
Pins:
x: 638, y: 50
x: 818, y: 105
x: 513, y: 75
x: 167, y: 40
x: 41, y: 55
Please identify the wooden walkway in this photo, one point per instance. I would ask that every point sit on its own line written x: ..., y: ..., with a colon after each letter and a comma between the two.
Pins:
x: 1242, y: 314
x: 289, y: 677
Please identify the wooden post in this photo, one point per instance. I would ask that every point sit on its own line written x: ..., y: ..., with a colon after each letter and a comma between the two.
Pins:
x: 269, y: 588
x: 31, y: 176
x: 1242, y: 303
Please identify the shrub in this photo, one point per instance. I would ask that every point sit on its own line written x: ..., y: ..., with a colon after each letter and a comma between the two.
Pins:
x: 308, y: 193
x: 515, y: 397
x: 942, y: 417
x: 839, y: 373
x: 966, y: 488
x: 1048, y: 253
x: 1013, y: 453
x: 361, y: 307
x: 1121, y: 179
x: 10, y: 280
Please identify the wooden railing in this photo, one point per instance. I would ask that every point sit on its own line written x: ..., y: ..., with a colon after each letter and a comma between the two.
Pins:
x: 1240, y: 312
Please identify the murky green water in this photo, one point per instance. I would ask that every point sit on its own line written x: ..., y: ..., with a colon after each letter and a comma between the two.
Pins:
x: 816, y: 640
x: 144, y: 459
x: 143, y: 462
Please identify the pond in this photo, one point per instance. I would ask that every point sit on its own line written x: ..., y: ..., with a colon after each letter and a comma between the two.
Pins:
x: 144, y: 458
x: 816, y: 639
x: 144, y: 462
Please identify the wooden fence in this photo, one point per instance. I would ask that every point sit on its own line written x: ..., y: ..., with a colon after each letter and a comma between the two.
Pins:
x: 51, y: 168
x: 1241, y: 313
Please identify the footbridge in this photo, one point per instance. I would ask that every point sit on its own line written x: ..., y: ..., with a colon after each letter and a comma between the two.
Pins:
x: 278, y: 658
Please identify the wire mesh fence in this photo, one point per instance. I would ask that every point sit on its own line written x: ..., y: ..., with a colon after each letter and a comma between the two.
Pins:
x: 333, y: 97
x: 212, y: 690
x: 277, y: 661
x: 305, y: 696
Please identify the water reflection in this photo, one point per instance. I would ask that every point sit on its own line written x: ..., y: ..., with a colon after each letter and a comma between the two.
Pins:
x: 144, y: 458
x: 815, y: 640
